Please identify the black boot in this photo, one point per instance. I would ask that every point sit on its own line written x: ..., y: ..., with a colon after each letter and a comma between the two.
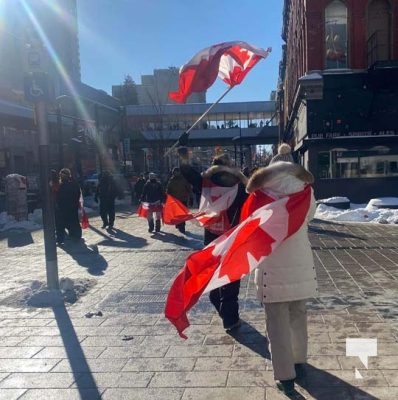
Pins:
x: 151, y: 226
x: 286, y: 386
x: 157, y: 229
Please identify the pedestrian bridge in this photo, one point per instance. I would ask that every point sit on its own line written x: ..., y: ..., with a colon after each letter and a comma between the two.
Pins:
x: 226, y: 124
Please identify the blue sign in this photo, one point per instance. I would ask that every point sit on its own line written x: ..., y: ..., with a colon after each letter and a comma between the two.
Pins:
x: 36, y: 87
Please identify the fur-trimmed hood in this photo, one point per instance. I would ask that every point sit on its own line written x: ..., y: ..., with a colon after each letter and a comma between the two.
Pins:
x: 224, y: 175
x: 274, y: 177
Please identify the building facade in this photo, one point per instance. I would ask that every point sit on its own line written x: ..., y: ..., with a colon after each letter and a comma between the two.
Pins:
x: 84, y: 123
x: 338, y: 94
x: 154, y: 89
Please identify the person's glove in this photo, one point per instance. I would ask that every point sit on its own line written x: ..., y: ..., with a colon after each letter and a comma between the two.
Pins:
x: 183, y: 139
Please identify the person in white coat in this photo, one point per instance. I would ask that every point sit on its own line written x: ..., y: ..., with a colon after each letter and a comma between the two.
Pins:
x: 286, y: 278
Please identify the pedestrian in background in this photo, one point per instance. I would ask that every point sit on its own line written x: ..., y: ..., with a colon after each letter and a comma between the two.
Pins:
x: 286, y: 278
x: 181, y: 189
x: 106, y: 193
x: 67, y: 207
x: 284, y: 154
x: 222, y: 177
x: 138, y: 187
x: 153, y: 194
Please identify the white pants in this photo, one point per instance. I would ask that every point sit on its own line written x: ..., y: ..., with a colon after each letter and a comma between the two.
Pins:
x: 286, y: 325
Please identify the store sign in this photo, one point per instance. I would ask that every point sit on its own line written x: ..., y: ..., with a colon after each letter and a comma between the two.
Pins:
x: 333, y: 135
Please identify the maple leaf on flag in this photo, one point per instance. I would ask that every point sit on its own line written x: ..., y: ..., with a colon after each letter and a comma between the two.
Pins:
x: 237, y: 252
x: 230, y: 61
x: 250, y: 240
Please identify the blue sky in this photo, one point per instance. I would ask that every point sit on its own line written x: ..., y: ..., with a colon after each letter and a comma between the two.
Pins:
x: 119, y: 37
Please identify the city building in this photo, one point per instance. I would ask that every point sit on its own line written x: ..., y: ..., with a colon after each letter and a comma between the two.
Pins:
x: 42, y: 37
x: 338, y: 94
x: 154, y: 89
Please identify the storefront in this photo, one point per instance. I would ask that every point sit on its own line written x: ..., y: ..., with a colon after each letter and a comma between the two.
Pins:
x: 346, y: 133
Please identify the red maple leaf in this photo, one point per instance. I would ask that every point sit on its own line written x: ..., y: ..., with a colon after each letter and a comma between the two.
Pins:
x: 250, y: 239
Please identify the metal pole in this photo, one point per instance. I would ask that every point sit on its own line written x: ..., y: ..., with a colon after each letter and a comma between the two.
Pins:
x: 198, y: 120
x: 60, y: 137
x: 240, y: 143
x: 47, y: 203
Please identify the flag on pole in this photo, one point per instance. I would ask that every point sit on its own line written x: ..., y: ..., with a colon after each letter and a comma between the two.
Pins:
x: 236, y: 253
x: 230, y: 61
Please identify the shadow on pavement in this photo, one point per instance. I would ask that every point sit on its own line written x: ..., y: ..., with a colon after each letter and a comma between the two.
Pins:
x: 86, y: 256
x: 119, y: 238
x: 248, y: 336
x: 323, y: 385
x: 84, y: 379
x: 183, y: 241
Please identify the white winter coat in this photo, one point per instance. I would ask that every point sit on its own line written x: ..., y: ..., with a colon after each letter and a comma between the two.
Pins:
x: 288, y: 274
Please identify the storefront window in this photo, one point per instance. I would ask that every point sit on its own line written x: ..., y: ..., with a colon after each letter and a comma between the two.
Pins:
x: 336, y: 35
x: 379, y: 161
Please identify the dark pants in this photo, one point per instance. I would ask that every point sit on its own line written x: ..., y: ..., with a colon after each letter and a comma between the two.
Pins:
x: 225, y: 300
x: 68, y: 220
x: 107, y: 212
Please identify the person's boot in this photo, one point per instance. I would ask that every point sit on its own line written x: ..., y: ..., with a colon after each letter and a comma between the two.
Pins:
x: 151, y: 226
x: 286, y: 386
x: 157, y: 229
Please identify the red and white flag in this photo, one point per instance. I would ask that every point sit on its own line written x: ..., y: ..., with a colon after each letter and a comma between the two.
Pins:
x: 230, y: 61
x: 145, y: 208
x: 212, y: 214
x: 237, y: 252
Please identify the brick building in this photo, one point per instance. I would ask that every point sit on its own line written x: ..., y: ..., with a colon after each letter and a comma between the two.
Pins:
x: 338, y: 94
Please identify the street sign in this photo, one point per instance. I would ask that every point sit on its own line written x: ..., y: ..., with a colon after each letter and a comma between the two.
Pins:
x: 36, y: 87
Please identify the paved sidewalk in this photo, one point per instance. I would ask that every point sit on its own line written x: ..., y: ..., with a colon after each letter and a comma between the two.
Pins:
x: 132, y: 352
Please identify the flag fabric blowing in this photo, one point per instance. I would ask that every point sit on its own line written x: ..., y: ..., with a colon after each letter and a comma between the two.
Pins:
x: 237, y: 252
x: 230, y: 61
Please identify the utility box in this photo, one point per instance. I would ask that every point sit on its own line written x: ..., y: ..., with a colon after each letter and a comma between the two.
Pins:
x: 16, y: 196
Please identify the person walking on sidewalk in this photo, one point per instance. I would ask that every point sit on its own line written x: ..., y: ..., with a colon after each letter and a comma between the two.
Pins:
x: 67, y: 207
x: 229, y: 182
x: 153, y: 194
x: 106, y: 193
x: 138, y: 187
x: 286, y: 278
x: 181, y: 189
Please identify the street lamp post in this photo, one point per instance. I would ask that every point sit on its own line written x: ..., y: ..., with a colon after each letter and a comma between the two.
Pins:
x: 36, y: 91
x: 60, y: 137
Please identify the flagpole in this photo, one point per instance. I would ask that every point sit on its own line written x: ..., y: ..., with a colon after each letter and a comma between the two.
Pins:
x: 198, y: 120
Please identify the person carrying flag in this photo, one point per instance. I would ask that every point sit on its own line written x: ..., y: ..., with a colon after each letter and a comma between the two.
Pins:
x: 223, y: 191
x: 286, y: 278
x: 179, y: 187
x: 153, y: 195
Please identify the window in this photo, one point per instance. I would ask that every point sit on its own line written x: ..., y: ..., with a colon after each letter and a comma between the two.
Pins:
x: 379, y: 31
x: 379, y: 161
x: 336, y: 35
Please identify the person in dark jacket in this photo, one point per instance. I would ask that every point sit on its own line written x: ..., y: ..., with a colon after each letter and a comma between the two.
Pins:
x: 67, y: 207
x: 138, y: 187
x: 153, y: 194
x: 179, y: 188
x: 106, y: 193
x: 220, y: 174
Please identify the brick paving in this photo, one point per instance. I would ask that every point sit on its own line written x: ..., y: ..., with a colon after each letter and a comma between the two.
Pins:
x: 132, y: 352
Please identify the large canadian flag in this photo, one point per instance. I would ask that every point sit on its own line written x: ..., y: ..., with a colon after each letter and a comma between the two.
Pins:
x: 236, y: 253
x: 230, y: 61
